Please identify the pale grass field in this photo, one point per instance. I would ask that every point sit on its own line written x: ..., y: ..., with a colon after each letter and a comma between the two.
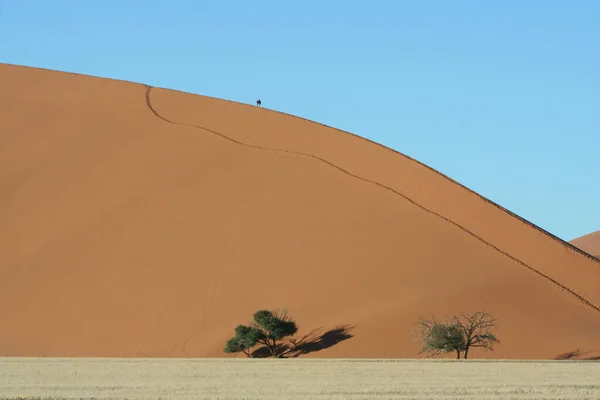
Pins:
x: 62, y: 378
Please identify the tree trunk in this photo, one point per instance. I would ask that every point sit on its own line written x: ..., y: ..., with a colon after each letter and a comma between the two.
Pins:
x: 458, y: 354
x: 466, y: 352
x: 267, y: 343
x: 274, y: 352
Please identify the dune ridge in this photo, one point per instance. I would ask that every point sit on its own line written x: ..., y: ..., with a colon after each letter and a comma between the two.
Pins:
x: 571, y: 292
x: 589, y: 243
x: 559, y: 266
x: 568, y: 244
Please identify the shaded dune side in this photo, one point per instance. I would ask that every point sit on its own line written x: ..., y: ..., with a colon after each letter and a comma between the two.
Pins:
x: 561, y: 261
x: 571, y: 292
x: 589, y: 243
x: 128, y: 236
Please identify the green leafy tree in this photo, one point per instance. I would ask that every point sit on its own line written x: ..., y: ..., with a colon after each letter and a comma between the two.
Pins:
x: 440, y: 337
x: 269, y: 329
x: 457, y: 334
x: 274, y: 327
x: 245, y: 339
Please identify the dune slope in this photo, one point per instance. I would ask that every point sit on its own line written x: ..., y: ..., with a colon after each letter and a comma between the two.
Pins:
x: 589, y: 243
x: 145, y: 222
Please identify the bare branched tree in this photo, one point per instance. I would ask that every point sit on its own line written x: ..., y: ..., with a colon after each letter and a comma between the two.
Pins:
x: 455, y: 334
x: 477, y: 331
x: 439, y: 336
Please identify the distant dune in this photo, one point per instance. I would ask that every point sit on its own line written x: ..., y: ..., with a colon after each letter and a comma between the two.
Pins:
x: 138, y: 221
x: 589, y: 243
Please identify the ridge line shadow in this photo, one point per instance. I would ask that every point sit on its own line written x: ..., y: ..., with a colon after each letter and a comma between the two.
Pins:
x: 557, y: 239
x: 568, y: 290
x: 567, y: 245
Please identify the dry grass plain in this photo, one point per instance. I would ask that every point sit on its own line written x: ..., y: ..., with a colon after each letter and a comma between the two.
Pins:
x: 86, y: 378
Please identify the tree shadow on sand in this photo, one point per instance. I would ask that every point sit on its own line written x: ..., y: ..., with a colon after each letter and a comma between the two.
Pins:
x: 577, y: 354
x: 310, y: 343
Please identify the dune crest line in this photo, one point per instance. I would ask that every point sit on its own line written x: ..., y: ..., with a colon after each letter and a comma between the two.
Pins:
x: 568, y: 290
x: 566, y: 244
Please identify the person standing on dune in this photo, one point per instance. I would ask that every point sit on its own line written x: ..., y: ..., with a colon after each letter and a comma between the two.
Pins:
x: 258, y: 102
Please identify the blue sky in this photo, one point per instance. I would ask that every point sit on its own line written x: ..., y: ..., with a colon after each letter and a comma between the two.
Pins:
x: 503, y: 96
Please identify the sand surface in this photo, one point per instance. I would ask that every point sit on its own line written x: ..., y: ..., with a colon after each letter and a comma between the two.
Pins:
x: 125, y: 235
x: 297, y: 379
x: 589, y: 243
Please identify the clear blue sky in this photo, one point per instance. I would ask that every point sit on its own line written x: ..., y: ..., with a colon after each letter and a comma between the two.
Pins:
x: 503, y: 96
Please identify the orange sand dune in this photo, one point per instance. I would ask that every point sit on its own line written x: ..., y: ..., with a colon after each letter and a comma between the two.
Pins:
x: 126, y: 231
x: 589, y: 243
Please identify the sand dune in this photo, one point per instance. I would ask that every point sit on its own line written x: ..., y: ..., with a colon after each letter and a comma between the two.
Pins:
x: 589, y: 243
x: 146, y: 222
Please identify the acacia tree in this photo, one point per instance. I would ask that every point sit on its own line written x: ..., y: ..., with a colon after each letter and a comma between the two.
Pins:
x: 274, y: 327
x: 268, y: 328
x: 454, y: 334
x: 476, y: 329
x: 245, y: 339
x: 440, y: 337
